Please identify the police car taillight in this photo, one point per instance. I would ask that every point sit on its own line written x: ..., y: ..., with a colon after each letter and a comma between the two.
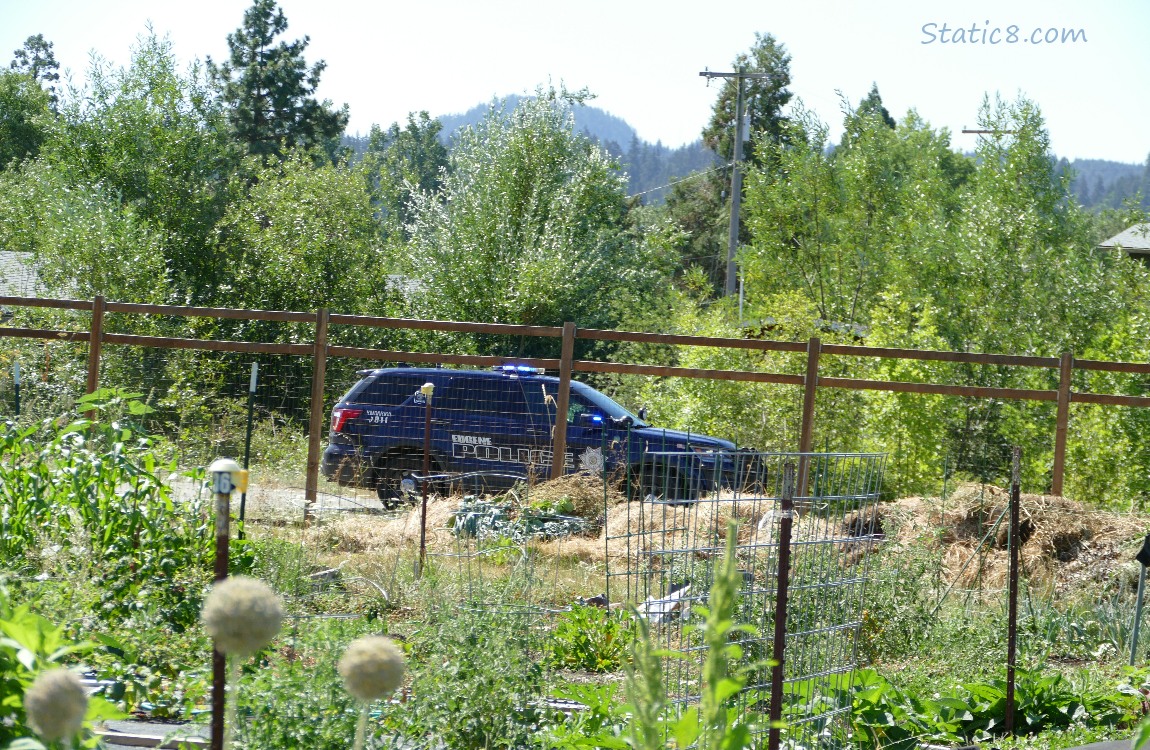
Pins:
x: 340, y: 415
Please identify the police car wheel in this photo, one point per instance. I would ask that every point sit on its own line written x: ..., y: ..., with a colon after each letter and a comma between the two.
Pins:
x: 394, y: 491
x: 393, y: 487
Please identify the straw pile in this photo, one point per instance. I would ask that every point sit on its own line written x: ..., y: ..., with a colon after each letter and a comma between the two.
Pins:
x: 632, y: 524
x: 1063, y: 543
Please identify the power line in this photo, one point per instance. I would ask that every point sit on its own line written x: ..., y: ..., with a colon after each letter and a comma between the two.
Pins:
x: 691, y: 176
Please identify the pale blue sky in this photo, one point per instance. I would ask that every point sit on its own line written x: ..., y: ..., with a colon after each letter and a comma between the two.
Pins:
x: 642, y: 59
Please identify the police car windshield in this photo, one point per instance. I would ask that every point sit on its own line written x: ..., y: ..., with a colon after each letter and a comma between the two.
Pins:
x: 605, y: 404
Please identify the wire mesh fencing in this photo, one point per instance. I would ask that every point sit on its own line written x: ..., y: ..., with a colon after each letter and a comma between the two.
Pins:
x: 663, y: 548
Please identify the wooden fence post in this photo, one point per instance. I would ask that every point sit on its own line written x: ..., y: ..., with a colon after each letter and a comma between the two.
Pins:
x: 95, y: 343
x: 810, y: 388
x: 1065, y: 369
x: 317, y: 423
x: 562, y: 401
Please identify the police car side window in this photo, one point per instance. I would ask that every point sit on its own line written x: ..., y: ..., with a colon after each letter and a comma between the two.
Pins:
x: 390, y: 390
x: 541, y: 402
x: 575, y: 407
x: 486, y: 396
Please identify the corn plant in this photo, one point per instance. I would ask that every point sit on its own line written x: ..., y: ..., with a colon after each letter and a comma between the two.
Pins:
x: 90, y: 489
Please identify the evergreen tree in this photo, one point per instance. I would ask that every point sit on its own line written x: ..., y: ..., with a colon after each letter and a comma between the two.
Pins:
x: 37, y: 60
x: 763, y: 99
x: 701, y: 206
x: 871, y: 104
x: 270, y: 90
x: 858, y: 121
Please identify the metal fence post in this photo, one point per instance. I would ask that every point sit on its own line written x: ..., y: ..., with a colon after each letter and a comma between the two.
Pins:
x: 1012, y: 603
x: 562, y: 400
x: 1065, y: 369
x: 252, y: 383
x: 778, y: 653
x: 316, y: 424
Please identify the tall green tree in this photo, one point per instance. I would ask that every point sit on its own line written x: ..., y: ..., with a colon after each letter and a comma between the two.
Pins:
x: 270, y: 90
x: 302, y: 238
x: 530, y: 226
x: 84, y: 240
x: 24, y: 117
x: 402, y: 162
x: 37, y: 59
x: 154, y: 137
x: 145, y: 140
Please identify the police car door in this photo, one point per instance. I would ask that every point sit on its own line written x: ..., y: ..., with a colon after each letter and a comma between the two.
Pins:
x: 542, y: 401
x: 589, y: 437
x: 487, y: 421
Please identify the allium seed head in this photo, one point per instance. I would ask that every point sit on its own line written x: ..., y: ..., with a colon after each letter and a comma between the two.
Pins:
x: 242, y: 615
x: 371, y: 668
x: 55, y: 704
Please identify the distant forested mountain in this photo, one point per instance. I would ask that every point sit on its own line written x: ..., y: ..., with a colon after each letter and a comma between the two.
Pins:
x: 599, y: 124
x: 650, y: 167
x: 1100, y: 184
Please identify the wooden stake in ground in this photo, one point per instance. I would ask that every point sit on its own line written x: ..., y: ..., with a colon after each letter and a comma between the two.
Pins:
x: 226, y: 476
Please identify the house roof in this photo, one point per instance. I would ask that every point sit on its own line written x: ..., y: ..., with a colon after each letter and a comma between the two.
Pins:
x: 17, y: 275
x: 1134, y: 240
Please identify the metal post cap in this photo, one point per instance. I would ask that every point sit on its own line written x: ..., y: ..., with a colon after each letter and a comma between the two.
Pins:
x: 227, y: 476
x: 224, y: 465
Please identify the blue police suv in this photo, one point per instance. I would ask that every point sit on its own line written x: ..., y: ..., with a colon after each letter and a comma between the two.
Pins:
x: 492, y: 429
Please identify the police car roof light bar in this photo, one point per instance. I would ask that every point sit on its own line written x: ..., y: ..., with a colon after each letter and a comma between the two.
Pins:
x: 519, y: 369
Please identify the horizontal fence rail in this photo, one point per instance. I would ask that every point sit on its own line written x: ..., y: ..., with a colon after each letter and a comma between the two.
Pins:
x: 810, y: 380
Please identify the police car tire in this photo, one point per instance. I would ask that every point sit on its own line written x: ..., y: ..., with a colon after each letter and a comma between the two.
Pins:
x: 387, y: 476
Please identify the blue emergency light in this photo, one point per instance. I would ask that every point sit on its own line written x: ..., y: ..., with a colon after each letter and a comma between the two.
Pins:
x: 519, y: 369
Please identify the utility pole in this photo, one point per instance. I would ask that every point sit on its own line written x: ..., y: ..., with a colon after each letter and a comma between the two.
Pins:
x: 736, y: 172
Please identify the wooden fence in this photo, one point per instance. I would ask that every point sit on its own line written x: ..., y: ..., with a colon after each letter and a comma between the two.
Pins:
x: 567, y: 365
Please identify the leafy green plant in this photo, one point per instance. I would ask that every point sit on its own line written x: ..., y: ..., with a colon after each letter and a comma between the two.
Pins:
x: 885, y: 716
x: 91, y: 489
x: 294, y: 697
x: 476, y: 684
x: 592, y: 639
x: 30, y: 643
